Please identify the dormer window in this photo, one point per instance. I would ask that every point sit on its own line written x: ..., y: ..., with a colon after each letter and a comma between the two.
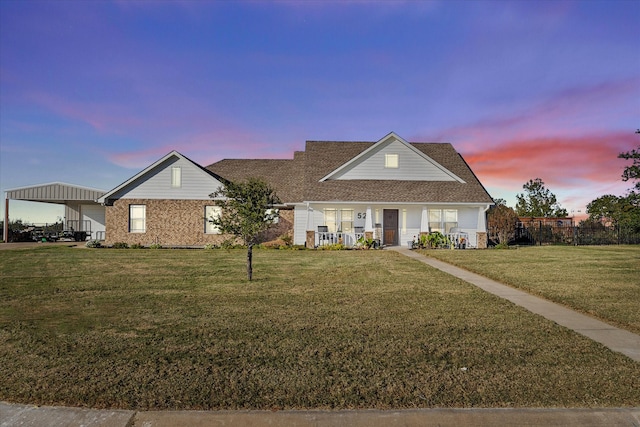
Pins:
x: 391, y: 161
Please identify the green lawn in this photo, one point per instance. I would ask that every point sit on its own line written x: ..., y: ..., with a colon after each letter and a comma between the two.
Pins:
x: 603, y: 281
x: 183, y: 329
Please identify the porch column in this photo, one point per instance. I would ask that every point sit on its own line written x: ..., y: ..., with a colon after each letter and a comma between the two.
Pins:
x: 5, y: 227
x: 310, y: 238
x: 424, y: 220
x: 368, y: 221
x: 482, y: 218
x: 309, y: 218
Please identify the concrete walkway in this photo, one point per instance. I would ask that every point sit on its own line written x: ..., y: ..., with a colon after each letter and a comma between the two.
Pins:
x: 32, y: 416
x: 616, y: 339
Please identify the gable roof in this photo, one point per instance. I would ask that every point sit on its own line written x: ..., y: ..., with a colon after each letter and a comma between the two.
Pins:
x: 305, y: 178
x: 392, y: 138
x: 115, y: 193
x: 321, y: 153
x: 54, y: 192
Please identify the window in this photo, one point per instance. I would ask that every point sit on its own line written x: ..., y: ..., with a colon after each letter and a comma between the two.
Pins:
x: 450, y: 219
x: 137, y: 218
x: 435, y: 220
x: 176, y: 177
x: 391, y: 161
x: 443, y: 220
x: 209, y: 213
x: 331, y: 220
x: 346, y: 220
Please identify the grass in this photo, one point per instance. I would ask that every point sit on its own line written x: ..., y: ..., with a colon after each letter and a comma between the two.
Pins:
x: 602, y: 281
x: 183, y: 329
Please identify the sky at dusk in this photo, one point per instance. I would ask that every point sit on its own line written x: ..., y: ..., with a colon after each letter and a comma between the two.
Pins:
x: 92, y: 92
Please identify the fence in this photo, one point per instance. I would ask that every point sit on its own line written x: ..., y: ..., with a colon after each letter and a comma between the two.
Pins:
x: 539, y: 233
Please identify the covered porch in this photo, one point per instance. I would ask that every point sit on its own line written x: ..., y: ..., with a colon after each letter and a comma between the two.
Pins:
x: 389, y: 224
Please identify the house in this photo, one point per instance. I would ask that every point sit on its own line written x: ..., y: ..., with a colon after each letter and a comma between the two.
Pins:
x: 167, y: 203
x: 390, y: 190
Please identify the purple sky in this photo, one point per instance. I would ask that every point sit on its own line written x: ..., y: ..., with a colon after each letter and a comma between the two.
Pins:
x: 91, y: 92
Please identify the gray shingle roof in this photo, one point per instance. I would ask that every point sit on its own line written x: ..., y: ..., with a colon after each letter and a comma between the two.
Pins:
x: 283, y: 175
x: 298, y: 179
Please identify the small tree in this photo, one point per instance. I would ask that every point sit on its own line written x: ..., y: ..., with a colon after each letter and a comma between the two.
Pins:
x: 538, y: 201
x: 501, y: 222
x: 607, y: 209
x: 247, y: 211
x: 632, y: 172
x: 625, y: 210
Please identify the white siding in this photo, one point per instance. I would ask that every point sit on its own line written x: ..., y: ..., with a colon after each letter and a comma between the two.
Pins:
x: 468, y: 222
x: 95, y: 214
x: 300, y: 225
x: 72, y: 212
x: 412, y: 227
x: 468, y: 218
x: 411, y: 166
x: 196, y: 184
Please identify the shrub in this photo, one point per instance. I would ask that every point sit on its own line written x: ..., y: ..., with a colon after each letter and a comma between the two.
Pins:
x: 288, y: 240
x: 279, y: 243
x: 438, y: 240
x: 137, y: 246
x: 364, y: 243
x: 93, y: 244
x: 210, y: 246
x: 120, y: 245
x: 333, y: 247
x: 421, y: 242
x: 230, y: 244
x: 155, y: 246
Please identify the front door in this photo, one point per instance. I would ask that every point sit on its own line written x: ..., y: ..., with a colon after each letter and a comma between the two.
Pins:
x: 390, y: 227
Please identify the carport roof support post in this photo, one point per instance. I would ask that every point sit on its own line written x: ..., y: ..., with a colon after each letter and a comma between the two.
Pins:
x: 5, y: 227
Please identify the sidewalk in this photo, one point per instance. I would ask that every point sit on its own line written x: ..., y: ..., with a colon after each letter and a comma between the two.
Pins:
x: 32, y: 416
x: 616, y: 339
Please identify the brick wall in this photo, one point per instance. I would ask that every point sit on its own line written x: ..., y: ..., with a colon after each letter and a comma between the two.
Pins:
x: 174, y: 223
x: 482, y: 240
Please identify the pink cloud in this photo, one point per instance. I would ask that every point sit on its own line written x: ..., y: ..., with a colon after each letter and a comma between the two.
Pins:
x: 560, y: 139
x: 563, y: 161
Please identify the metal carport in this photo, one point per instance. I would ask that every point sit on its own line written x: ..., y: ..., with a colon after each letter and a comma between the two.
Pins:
x: 82, y: 211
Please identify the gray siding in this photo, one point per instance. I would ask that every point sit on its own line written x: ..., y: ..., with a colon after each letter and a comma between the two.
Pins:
x: 411, y: 166
x: 196, y: 184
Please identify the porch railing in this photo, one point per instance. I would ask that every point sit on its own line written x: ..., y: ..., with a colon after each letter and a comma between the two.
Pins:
x: 459, y: 240
x: 328, y: 238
